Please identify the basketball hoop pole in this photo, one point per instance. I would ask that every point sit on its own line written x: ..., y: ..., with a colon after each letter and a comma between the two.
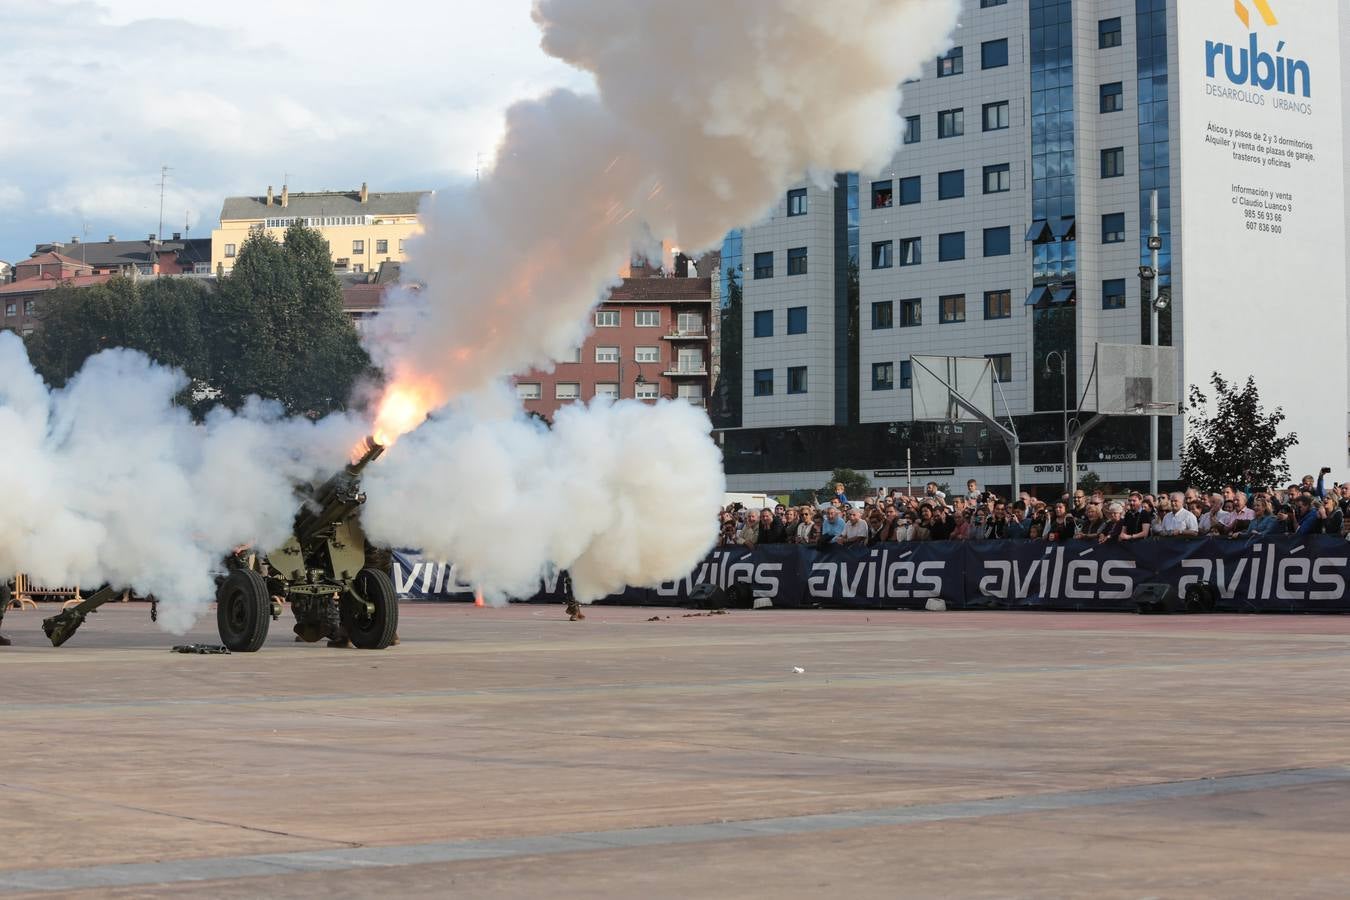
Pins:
x: 1153, y: 334
x: 1010, y: 438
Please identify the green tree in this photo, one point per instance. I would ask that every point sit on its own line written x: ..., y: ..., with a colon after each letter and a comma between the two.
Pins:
x: 77, y: 323
x: 329, y: 357
x: 856, y: 485
x: 1238, y: 444
x: 166, y: 322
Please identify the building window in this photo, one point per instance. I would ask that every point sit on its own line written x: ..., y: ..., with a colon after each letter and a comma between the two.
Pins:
x: 358, y: 246
x: 951, y: 308
x: 11, y: 309
x: 690, y: 392
x: 951, y: 246
x: 796, y: 379
x: 607, y: 389
x: 998, y: 241
x: 911, y: 313
x: 883, y: 376
x: 1113, y: 97
x: 1113, y: 162
x: 647, y: 318
x: 911, y: 251
x: 994, y: 54
x: 1113, y: 293
x: 573, y: 357
x: 796, y: 202
x: 764, y: 382
x: 906, y: 374
x: 528, y: 390
x: 29, y: 307
x: 997, y: 179
x: 764, y: 265
x: 647, y: 354
x: 913, y: 129
x: 229, y: 251
x: 400, y: 245
x: 883, y: 315
x: 689, y: 323
x: 606, y: 318
x: 985, y: 4
x: 690, y: 362
x: 566, y: 390
x: 951, y: 64
x: 606, y: 354
x: 1002, y: 366
x: 1113, y: 228
x: 382, y: 246
x: 951, y: 123
x: 796, y: 320
x: 883, y: 195
x: 951, y: 184
x: 1108, y: 33
x: 998, y: 304
x: 647, y: 390
x: 996, y: 116
x: 910, y: 188
x: 764, y: 323
x: 796, y: 261
x: 881, y: 254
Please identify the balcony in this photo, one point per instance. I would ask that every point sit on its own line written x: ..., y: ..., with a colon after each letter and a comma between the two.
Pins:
x: 688, y: 334
x: 687, y: 370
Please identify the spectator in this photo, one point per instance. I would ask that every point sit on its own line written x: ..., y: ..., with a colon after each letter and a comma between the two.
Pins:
x: 1332, y: 517
x: 931, y: 492
x: 876, y: 527
x: 1115, y: 528
x: 791, y: 518
x: 1344, y: 497
x: 808, y: 529
x: 996, y: 527
x: 923, y: 526
x: 1305, y: 514
x: 771, y: 531
x: 855, y: 532
x: 832, y: 527
x: 973, y: 491
x: 903, y: 530
x: 729, y: 535
x: 750, y: 532
x: 1265, y: 522
x: 1060, y: 525
x: 840, y: 495
x: 1180, y: 521
x: 1092, y: 522
x: 1080, y: 502
x: 1137, y: 522
x: 1241, y: 511
x: 943, y: 526
x: 1018, y: 527
x: 1213, y: 520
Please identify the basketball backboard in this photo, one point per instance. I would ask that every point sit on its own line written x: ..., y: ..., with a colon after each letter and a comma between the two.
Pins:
x: 1135, y: 380
x: 935, y: 380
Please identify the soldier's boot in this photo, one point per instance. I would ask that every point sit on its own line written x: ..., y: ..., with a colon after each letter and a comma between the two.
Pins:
x: 332, y: 626
x: 4, y: 641
x: 574, y: 610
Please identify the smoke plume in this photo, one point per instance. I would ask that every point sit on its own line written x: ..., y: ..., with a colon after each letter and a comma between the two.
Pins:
x: 704, y: 113
x: 107, y: 480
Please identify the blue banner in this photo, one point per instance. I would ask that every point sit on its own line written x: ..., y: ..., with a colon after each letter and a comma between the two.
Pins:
x: 1282, y: 574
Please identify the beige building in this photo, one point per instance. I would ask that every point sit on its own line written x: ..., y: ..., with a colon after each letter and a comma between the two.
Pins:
x: 363, y: 229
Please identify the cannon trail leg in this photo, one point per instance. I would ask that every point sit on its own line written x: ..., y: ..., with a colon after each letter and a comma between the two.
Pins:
x: 63, y: 625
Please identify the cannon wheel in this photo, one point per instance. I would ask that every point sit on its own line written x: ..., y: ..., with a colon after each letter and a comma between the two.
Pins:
x: 374, y: 632
x: 243, y: 611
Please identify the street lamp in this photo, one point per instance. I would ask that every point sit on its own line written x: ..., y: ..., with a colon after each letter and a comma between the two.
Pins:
x: 1064, y: 381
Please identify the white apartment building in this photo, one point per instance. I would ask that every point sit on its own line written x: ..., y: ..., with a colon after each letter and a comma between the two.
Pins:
x: 1013, y: 223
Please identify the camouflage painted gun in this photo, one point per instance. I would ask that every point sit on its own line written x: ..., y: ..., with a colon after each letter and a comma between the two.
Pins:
x: 320, y: 571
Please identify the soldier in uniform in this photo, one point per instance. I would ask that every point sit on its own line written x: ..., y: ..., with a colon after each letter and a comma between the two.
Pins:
x: 573, y: 607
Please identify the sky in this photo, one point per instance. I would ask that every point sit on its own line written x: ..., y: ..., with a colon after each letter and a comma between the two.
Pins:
x: 232, y: 97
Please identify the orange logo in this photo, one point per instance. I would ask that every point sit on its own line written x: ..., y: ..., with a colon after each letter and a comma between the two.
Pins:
x: 1262, y: 6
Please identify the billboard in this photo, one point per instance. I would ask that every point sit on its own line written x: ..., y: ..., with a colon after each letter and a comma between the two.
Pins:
x: 1262, y: 286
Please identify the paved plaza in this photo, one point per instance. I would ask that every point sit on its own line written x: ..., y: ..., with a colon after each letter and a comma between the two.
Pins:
x: 511, y: 753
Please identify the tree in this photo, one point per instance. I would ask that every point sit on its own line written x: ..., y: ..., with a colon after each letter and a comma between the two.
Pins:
x: 856, y: 485
x: 1238, y: 444
x: 77, y: 323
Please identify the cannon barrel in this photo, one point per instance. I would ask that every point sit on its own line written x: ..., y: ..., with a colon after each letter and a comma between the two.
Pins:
x: 335, y: 498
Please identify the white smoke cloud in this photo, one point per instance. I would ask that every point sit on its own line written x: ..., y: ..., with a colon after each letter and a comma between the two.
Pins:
x: 107, y: 480
x: 618, y: 495
x: 706, y: 110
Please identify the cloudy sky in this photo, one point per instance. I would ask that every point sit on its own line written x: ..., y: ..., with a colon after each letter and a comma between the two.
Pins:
x: 98, y: 94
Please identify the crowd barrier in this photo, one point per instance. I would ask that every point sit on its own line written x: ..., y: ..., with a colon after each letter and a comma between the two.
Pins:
x: 1283, y: 574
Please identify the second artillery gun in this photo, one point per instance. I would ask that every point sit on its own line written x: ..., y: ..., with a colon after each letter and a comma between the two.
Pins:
x: 321, y: 571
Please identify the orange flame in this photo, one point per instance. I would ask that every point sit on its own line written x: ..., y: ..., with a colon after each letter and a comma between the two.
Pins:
x: 403, y: 407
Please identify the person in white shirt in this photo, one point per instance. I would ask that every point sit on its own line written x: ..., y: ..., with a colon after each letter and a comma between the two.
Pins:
x: 1215, y: 519
x: 855, y: 532
x: 1180, y: 522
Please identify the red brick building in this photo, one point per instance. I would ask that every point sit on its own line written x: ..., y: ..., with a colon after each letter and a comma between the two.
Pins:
x: 652, y: 338
x: 35, y: 276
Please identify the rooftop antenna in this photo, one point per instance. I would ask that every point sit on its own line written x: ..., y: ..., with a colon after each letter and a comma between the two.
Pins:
x: 187, y: 221
x: 478, y: 166
x: 163, y: 177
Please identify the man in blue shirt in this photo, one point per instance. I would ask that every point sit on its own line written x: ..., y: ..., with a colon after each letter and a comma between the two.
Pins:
x: 833, y: 526
x: 1018, y: 526
x: 1307, y: 516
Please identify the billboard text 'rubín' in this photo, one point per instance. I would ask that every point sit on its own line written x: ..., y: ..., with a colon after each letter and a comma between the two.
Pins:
x: 1255, y: 66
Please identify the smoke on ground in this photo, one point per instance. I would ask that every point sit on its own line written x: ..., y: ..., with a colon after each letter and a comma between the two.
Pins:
x: 616, y: 494
x: 107, y: 480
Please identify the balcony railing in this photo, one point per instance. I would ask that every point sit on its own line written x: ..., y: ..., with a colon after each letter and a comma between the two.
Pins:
x: 687, y: 334
x: 687, y: 369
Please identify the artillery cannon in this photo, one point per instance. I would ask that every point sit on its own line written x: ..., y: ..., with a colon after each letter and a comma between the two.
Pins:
x: 320, y: 571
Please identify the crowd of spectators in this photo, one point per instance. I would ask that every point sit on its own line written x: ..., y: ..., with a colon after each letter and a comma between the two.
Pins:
x: 1238, y: 511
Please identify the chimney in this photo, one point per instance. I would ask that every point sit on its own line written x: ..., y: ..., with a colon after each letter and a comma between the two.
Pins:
x: 111, y: 238
x: 365, y: 194
x: 150, y: 236
x: 269, y: 195
x: 285, y: 196
x: 74, y: 239
x: 178, y: 235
